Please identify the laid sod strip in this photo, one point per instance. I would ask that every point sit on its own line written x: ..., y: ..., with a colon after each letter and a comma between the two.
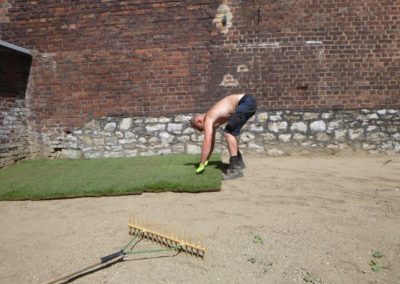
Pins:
x: 48, y: 179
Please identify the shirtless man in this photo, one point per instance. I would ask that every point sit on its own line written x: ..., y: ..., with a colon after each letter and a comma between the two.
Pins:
x: 236, y: 110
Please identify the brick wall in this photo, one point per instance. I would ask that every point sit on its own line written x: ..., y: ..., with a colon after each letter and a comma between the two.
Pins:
x: 4, y: 5
x: 113, y: 58
x: 97, y: 59
x: 312, y: 54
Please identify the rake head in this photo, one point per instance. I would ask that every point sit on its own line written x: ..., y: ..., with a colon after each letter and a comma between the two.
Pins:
x: 169, y: 239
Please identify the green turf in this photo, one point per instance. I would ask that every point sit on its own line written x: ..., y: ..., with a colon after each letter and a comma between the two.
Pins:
x: 48, y: 179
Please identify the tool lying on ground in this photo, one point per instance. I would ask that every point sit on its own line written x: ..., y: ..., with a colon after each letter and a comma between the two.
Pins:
x: 139, y: 232
x: 166, y: 239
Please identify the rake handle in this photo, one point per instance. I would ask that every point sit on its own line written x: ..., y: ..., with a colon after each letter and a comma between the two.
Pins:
x: 102, y: 260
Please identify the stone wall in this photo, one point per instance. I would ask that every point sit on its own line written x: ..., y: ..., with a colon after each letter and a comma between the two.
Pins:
x: 271, y: 133
x: 14, y: 137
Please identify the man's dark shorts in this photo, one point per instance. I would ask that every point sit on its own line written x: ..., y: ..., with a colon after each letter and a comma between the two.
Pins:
x: 246, y: 108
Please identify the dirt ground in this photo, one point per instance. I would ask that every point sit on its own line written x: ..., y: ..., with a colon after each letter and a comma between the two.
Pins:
x: 314, y: 219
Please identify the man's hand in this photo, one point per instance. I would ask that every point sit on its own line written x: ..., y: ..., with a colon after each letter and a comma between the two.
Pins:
x: 201, y: 167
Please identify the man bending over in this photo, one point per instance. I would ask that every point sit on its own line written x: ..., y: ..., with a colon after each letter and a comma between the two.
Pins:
x: 235, y: 110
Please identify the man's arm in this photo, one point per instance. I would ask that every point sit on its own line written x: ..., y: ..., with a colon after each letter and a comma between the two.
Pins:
x: 207, y: 147
x: 208, y: 142
x: 212, y: 145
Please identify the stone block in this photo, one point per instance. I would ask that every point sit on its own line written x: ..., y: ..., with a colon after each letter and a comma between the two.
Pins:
x: 147, y: 153
x: 356, y: 134
x: 310, y: 116
x: 246, y: 137
x: 113, y: 154
x: 256, y: 128
x: 174, y: 128
x: 262, y: 117
x: 92, y: 125
x: 86, y: 139
x: 183, y: 118
x: 110, y: 126
x: 155, y: 127
x: 127, y: 141
x: 392, y: 129
x: 299, y: 137
x: 164, y: 151
x: 126, y: 124
x: 130, y: 153
x: 164, y: 119
x: 340, y: 135
x: 318, y: 126
x: 150, y: 120
x: 277, y: 126
x: 275, y: 118
x: 93, y: 155
x: 269, y: 137
x: 98, y: 141
x: 327, y: 115
x: 299, y: 126
x: 322, y: 136
x: 376, y: 136
x: 284, y: 137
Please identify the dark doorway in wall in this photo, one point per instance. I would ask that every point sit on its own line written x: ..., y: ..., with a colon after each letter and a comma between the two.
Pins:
x: 15, y: 66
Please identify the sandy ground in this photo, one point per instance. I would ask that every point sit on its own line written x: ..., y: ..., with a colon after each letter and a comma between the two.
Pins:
x: 289, y: 220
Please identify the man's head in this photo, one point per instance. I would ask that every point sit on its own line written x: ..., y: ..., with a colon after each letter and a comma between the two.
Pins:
x: 198, y: 122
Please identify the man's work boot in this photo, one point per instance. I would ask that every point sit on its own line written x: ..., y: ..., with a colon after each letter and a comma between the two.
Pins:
x: 234, y: 171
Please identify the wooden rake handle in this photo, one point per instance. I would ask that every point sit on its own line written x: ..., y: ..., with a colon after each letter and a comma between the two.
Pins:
x: 117, y: 256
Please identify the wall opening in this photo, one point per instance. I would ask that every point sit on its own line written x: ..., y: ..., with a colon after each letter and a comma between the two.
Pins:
x: 15, y: 66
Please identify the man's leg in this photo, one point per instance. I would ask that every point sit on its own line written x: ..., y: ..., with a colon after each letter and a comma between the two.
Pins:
x: 235, y: 169
x: 247, y: 107
x: 233, y: 148
x: 232, y: 142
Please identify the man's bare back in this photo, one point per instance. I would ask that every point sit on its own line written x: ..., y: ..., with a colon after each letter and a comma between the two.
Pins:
x: 222, y: 110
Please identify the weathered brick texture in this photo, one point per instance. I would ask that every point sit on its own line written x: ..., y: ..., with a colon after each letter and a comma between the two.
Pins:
x: 162, y: 57
x: 108, y: 58
x: 309, y: 54
x: 113, y: 58
x: 4, y: 5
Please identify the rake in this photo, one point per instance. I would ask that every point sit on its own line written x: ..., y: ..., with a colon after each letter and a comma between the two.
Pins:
x: 167, y: 239
x: 139, y: 231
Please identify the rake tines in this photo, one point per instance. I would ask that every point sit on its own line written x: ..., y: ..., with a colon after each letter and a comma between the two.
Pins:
x: 167, y: 239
